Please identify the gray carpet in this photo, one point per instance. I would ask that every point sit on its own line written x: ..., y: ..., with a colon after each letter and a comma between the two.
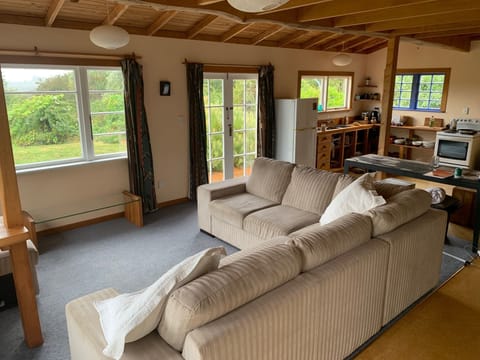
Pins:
x: 112, y: 254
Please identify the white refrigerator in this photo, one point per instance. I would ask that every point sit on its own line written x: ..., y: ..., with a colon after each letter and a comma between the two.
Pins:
x: 296, y: 124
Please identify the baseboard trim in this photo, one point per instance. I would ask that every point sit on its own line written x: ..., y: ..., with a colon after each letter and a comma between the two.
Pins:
x: 103, y: 218
x: 81, y: 224
x: 172, y: 202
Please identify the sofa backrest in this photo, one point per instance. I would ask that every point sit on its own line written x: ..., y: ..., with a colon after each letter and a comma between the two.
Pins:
x: 399, y: 209
x: 310, y: 189
x: 269, y: 178
x: 221, y: 291
x: 321, y: 243
x: 383, y: 188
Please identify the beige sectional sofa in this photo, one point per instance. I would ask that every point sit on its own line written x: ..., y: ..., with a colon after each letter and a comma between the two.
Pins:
x: 297, y: 289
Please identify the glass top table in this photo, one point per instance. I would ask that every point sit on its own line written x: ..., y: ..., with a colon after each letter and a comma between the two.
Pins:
x: 418, y: 170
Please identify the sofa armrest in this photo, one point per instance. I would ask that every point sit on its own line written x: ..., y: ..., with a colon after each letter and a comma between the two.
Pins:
x: 208, y: 192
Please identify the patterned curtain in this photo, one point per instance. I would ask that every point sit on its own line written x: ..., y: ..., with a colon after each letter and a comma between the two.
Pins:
x: 266, y: 112
x: 198, y: 133
x: 140, y: 164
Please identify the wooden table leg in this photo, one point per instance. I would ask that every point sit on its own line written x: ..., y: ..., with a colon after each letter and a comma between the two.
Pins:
x: 26, y: 294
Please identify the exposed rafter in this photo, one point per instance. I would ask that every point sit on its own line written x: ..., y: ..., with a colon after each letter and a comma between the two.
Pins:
x: 53, y: 11
x: 115, y: 14
x: 202, y: 24
x: 161, y: 21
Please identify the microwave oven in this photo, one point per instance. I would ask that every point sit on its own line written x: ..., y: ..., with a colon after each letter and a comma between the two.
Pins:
x: 458, y: 150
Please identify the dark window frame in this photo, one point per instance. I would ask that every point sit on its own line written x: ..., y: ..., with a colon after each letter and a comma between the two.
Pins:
x: 417, y: 73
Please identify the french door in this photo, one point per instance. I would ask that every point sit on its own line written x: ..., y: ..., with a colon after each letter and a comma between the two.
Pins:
x: 231, y: 123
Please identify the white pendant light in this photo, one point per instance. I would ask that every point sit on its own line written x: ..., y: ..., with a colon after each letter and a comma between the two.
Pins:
x: 109, y: 36
x: 342, y: 60
x: 253, y: 6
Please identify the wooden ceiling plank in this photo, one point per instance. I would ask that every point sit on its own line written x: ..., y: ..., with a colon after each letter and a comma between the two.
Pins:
x: 335, y: 42
x: 160, y: 22
x: 348, y: 7
x: 295, y: 4
x: 291, y: 38
x: 365, y: 45
x: 359, y: 40
x: 377, y: 47
x: 202, y: 24
x: 266, y: 34
x: 234, y: 31
x: 406, y: 12
x: 115, y: 14
x: 53, y: 11
x: 461, y: 43
x: 318, y: 40
x: 448, y: 18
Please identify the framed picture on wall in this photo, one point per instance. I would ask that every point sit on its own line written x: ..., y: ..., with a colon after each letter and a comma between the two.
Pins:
x: 164, y: 88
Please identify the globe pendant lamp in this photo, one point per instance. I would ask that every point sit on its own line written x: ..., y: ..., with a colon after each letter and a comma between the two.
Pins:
x: 342, y: 60
x: 109, y: 36
x: 253, y: 6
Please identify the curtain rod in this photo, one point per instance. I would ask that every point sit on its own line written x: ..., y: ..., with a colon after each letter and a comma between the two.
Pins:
x: 226, y: 65
x: 36, y: 52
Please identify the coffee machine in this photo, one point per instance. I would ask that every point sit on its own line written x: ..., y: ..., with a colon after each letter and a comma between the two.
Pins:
x: 375, y: 115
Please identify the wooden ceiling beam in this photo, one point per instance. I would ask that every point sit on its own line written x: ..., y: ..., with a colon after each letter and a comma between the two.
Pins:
x: 234, y: 31
x: 160, y: 22
x: 266, y: 34
x: 202, y: 24
x: 296, y: 4
x: 53, y: 11
x: 458, y: 32
x: 356, y: 42
x: 365, y: 45
x: 291, y: 38
x: 406, y: 12
x: 318, y: 40
x: 115, y: 14
x: 434, y: 28
x: 461, y: 43
x: 379, y: 46
x: 446, y: 18
x: 348, y: 7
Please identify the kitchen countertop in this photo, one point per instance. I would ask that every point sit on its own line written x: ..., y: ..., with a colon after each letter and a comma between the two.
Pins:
x: 346, y: 128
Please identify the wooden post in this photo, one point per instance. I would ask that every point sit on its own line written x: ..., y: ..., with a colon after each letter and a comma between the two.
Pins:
x: 387, y: 99
x: 13, y: 235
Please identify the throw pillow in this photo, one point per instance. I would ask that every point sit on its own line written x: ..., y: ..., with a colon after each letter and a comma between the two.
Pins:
x: 129, y: 317
x: 358, y: 197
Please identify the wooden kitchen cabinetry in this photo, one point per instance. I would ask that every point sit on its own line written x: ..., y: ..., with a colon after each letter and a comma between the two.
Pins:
x: 324, y: 143
x: 336, y: 145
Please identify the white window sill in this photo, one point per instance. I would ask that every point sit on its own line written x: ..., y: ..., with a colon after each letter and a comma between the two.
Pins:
x: 70, y: 164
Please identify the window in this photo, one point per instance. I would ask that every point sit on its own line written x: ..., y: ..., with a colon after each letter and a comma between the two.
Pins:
x: 333, y: 90
x: 421, y: 90
x: 60, y: 115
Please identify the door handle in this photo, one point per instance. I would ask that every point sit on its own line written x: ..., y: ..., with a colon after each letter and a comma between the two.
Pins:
x: 230, y: 129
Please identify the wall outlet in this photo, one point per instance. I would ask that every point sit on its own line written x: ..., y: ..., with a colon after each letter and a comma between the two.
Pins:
x: 466, y: 110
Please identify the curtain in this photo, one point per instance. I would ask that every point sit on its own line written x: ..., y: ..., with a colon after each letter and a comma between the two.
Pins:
x: 266, y: 112
x: 140, y: 163
x: 198, y: 133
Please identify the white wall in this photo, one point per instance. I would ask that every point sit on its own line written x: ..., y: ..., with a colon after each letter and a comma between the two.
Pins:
x: 167, y: 116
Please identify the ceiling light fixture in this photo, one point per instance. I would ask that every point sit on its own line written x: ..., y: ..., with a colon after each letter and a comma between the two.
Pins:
x: 253, y: 6
x: 342, y: 59
x: 109, y: 36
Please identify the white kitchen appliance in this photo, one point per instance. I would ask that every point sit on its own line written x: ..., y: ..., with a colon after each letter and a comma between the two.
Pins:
x: 296, y: 130
x: 460, y: 146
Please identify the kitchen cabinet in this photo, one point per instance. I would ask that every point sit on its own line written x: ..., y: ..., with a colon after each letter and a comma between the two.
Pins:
x: 324, y: 142
x: 337, y: 144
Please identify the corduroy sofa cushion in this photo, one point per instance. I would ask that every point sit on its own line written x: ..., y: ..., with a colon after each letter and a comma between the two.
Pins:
x: 269, y: 178
x: 278, y: 221
x: 399, y: 209
x: 233, y: 209
x: 219, y: 292
x: 321, y: 243
x: 310, y: 189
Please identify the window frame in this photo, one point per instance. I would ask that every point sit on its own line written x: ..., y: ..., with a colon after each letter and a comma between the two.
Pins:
x: 416, y: 73
x: 327, y: 74
x: 85, y: 131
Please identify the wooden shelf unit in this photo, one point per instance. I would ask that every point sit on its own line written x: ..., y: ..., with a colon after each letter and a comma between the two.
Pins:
x: 405, y: 150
